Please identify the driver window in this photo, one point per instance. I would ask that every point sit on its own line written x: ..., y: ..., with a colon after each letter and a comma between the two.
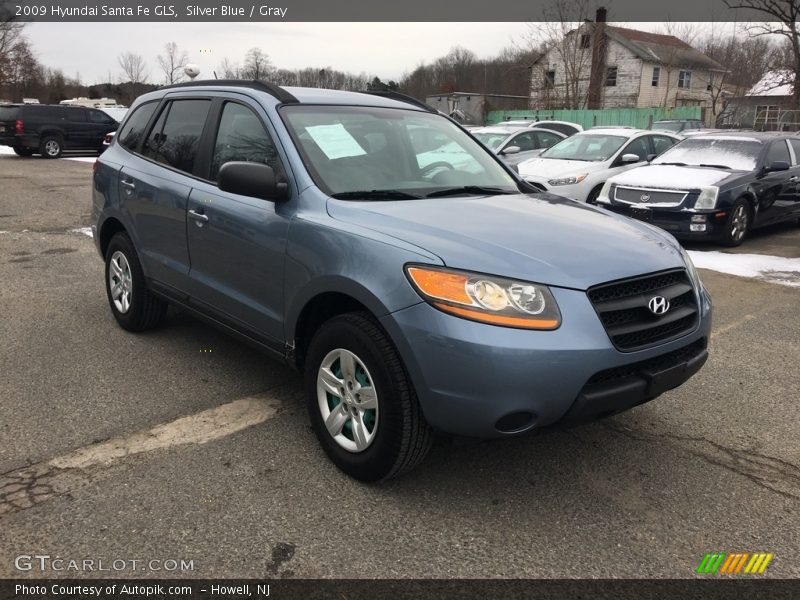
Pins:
x: 638, y: 147
x: 524, y: 141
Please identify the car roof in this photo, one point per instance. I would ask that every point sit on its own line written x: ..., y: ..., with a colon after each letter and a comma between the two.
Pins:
x: 495, y: 129
x: 620, y: 131
x: 749, y: 136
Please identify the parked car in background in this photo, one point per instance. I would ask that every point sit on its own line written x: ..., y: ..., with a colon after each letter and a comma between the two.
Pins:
x: 564, y: 127
x: 578, y: 166
x: 681, y: 126
x: 118, y: 114
x: 716, y: 186
x: 414, y: 297
x: 515, y: 144
x: 50, y: 129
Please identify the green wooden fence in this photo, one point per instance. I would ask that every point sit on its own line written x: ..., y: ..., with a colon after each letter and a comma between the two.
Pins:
x: 633, y: 117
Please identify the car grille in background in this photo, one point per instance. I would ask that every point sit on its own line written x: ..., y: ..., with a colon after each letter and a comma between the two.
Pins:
x: 648, y: 196
x: 623, y: 309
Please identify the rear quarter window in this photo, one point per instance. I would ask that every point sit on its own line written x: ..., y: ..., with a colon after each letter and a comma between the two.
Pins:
x: 8, y: 113
x: 133, y: 131
x: 44, y: 113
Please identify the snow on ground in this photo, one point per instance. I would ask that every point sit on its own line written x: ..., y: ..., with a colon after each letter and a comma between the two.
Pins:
x: 83, y: 230
x: 774, y: 269
x: 6, y: 150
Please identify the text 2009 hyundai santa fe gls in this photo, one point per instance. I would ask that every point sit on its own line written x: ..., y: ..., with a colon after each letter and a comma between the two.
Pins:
x: 417, y: 295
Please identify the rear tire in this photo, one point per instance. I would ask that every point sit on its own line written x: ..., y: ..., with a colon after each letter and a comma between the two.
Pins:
x: 134, y: 307
x: 400, y: 437
x: 738, y: 224
x: 51, y: 146
x: 24, y: 152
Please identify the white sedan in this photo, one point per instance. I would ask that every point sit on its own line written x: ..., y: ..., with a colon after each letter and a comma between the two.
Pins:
x: 578, y: 166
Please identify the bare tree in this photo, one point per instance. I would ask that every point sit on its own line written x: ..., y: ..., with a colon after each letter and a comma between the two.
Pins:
x: 10, y: 36
x: 782, y: 17
x: 256, y: 65
x: 229, y: 69
x: 172, y: 63
x: 134, y: 67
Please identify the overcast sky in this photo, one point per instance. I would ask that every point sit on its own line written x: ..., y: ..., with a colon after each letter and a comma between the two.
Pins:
x: 384, y: 49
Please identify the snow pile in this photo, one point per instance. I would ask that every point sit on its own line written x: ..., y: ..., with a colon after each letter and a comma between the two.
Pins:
x: 83, y: 230
x: 773, y: 269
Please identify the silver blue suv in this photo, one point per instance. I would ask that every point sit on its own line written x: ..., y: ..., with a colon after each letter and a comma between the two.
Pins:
x: 420, y: 287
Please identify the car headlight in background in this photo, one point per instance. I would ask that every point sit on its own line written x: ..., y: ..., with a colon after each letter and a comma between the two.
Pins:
x: 571, y: 180
x: 707, y: 198
x: 605, y: 193
x: 485, y: 298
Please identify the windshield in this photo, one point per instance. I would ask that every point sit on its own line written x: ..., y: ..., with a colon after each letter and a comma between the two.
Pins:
x: 492, y: 140
x: 738, y: 154
x: 588, y: 147
x: 668, y: 126
x: 355, y: 148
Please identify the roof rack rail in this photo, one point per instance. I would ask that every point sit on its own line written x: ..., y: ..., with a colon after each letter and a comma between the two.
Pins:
x: 392, y: 95
x: 262, y: 86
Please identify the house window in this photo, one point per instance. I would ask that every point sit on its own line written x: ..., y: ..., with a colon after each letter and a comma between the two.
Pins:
x: 710, y: 85
x: 656, y: 76
x: 549, y: 80
x: 685, y: 79
x: 611, y: 76
x: 585, y: 40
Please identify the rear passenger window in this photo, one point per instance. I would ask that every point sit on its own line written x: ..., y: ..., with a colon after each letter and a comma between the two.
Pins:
x: 778, y: 151
x: 241, y: 137
x: 76, y: 115
x: 133, y: 131
x: 175, y: 137
x: 98, y: 116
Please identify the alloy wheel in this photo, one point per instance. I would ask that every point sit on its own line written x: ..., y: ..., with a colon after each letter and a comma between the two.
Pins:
x: 739, y: 222
x: 120, y: 281
x: 347, y: 400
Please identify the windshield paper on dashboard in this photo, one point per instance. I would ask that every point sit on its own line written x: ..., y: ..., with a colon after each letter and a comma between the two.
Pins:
x: 335, y: 141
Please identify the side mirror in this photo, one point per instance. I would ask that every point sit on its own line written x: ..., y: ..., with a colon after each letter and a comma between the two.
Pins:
x: 778, y: 165
x: 630, y: 158
x: 510, y: 150
x: 252, y: 179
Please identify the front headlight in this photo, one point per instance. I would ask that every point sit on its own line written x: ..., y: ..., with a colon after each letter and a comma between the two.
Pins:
x: 707, y: 198
x: 571, y: 180
x: 605, y: 193
x: 485, y: 298
x: 693, y: 274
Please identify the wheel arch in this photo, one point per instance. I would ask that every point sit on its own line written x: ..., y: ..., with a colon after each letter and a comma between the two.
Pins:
x: 110, y: 227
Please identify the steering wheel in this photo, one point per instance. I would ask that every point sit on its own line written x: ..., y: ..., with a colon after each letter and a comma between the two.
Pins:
x: 428, y: 169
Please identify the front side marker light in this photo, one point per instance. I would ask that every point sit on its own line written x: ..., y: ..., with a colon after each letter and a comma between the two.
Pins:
x: 487, y: 299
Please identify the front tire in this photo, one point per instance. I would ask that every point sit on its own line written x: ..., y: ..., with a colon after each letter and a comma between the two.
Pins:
x: 134, y: 307
x: 361, y: 402
x: 593, y: 195
x: 51, y: 146
x: 738, y: 224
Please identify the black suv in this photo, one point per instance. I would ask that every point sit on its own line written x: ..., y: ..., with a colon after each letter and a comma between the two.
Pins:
x: 713, y: 186
x: 51, y: 129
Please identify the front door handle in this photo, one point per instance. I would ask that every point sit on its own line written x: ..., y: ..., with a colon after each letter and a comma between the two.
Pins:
x: 127, y: 183
x: 198, y: 217
x: 794, y: 178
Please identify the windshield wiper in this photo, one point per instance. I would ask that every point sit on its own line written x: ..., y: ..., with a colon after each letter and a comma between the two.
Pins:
x: 675, y: 164
x: 468, y: 189
x: 376, y: 195
x: 715, y: 166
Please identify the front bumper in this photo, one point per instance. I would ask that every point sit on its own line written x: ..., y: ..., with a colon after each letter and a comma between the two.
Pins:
x: 678, y: 221
x: 475, y: 380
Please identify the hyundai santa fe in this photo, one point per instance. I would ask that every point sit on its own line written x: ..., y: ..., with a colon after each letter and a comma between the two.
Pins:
x: 416, y: 297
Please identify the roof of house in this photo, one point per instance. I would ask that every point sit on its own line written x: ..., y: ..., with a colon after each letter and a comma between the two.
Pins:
x: 662, y: 49
x: 774, y: 83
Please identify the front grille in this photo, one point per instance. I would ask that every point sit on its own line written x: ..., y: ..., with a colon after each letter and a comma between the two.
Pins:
x: 639, y: 196
x: 623, y: 309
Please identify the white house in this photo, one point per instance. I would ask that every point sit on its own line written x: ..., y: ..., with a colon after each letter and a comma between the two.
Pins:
x: 603, y: 66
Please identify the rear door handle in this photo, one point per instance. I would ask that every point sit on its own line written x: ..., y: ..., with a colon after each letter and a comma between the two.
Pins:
x: 200, y: 218
x: 794, y: 178
x: 128, y: 184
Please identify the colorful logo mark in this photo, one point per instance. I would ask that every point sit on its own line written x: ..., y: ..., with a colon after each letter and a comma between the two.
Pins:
x: 735, y: 563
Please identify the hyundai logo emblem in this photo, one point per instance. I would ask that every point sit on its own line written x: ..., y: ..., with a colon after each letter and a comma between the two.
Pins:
x: 658, y: 305
x: 645, y: 197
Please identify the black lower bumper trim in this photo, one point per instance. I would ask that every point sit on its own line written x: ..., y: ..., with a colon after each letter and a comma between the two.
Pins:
x: 607, y: 396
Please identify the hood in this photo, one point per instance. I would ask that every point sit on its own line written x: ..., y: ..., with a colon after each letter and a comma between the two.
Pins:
x: 540, y: 238
x: 556, y: 167
x: 672, y: 177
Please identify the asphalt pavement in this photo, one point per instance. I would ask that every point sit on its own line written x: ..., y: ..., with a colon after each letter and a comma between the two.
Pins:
x: 182, y: 444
